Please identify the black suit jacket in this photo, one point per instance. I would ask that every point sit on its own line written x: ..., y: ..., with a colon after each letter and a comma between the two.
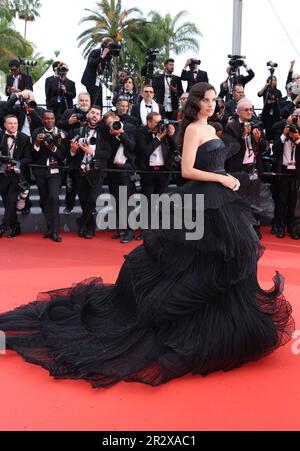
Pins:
x: 136, y: 112
x: 146, y: 145
x: 234, y: 164
x: 25, y: 82
x: 278, y: 148
x: 35, y: 118
x: 102, y: 153
x: 158, y: 84
x: 22, y: 152
x: 90, y: 72
x: 52, y: 92
x: 241, y: 80
x: 128, y: 139
x: 41, y: 157
x: 188, y: 75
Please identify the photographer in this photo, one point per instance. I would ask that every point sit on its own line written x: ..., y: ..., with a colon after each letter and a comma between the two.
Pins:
x: 155, y: 148
x: 193, y: 75
x: 234, y: 76
x: 25, y: 108
x: 286, y: 151
x: 60, y: 91
x: 122, y: 110
x: 270, y: 112
x: 49, y: 153
x: 247, y: 162
x: 98, y: 61
x: 168, y: 88
x: 147, y: 106
x: 89, y: 153
x: 147, y: 70
x: 17, y: 81
x: 122, y: 143
x: 14, y: 157
x: 76, y: 117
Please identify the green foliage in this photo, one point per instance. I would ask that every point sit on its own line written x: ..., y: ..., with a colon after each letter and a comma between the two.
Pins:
x: 137, y: 34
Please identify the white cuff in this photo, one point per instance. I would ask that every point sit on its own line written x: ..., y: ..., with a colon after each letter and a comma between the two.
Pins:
x: 283, y: 138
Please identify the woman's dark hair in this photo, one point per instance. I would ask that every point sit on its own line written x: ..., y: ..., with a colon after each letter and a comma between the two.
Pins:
x: 191, y: 108
x: 129, y: 77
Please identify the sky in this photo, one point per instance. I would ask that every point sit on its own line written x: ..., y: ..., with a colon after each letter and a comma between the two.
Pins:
x: 263, y: 39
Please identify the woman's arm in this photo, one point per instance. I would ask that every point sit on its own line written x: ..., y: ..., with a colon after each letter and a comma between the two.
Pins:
x: 194, y: 136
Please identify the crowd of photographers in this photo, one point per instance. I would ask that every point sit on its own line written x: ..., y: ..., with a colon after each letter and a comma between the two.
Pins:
x: 135, y: 143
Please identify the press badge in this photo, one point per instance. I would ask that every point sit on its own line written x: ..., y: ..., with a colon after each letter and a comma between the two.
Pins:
x: 98, y: 80
x: 291, y: 165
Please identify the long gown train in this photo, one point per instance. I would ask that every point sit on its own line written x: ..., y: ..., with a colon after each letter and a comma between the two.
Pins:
x: 177, y: 306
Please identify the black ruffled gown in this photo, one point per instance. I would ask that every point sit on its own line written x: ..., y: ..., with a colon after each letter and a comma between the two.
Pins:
x: 177, y: 307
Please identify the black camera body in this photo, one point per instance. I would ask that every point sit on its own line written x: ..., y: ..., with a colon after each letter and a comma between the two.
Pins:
x: 151, y: 55
x: 293, y: 128
x: 116, y: 126
x: 253, y: 124
x: 53, y: 139
x: 195, y: 62
x: 236, y: 61
x: 6, y: 162
x: 114, y: 49
x: 163, y: 124
x: 94, y: 165
x: 81, y: 117
x: 31, y: 103
x: 27, y: 63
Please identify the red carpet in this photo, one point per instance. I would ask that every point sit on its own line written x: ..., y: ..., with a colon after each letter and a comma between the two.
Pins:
x: 263, y: 395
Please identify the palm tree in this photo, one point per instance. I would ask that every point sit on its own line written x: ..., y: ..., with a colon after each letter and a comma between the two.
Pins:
x: 174, y: 37
x: 27, y: 11
x: 110, y: 21
x: 12, y: 44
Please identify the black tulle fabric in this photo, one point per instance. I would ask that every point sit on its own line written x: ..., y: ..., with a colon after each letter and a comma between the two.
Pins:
x: 177, y: 307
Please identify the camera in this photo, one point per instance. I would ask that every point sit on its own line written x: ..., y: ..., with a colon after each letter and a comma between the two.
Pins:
x: 136, y: 179
x: 7, y: 164
x: 53, y: 139
x: 31, y: 103
x: 163, y: 124
x: 81, y: 117
x: 195, y: 62
x: 61, y: 70
x: 151, y: 55
x: 87, y: 141
x: 28, y: 63
x: 293, y: 128
x: 253, y: 124
x: 24, y: 187
x: 236, y: 61
x: 271, y: 64
x: 116, y: 126
x: 114, y: 49
x: 87, y: 167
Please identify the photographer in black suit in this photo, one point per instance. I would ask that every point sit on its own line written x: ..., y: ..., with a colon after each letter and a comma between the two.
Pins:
x: 168, y: 88
x: 49, y: 152
x: 17, y: 81
x: 97, y: 62
x: 154, y: 149
x: 193, y: 75
x: 286, y: 151
x: 15, y: 156
x: 246, y: 131
x: 234, y: 77
x: 89, y: 153
x: 60, y: 91
x: 122, y: 142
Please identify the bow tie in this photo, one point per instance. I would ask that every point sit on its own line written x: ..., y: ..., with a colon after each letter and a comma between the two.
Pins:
x: 148, y: 106
x: 168, y: 76
x: 11, y: 136
x: 195, y: 72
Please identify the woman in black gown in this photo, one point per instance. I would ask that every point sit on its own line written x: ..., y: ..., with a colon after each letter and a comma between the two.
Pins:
x: 179, y: 306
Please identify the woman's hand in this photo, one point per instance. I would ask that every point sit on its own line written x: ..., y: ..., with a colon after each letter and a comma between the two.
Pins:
x: 230, y: 182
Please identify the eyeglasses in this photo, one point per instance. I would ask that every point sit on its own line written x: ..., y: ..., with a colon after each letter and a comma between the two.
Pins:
x: 296, y: 115
x: 149, y: 92
x: 248, y: 109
